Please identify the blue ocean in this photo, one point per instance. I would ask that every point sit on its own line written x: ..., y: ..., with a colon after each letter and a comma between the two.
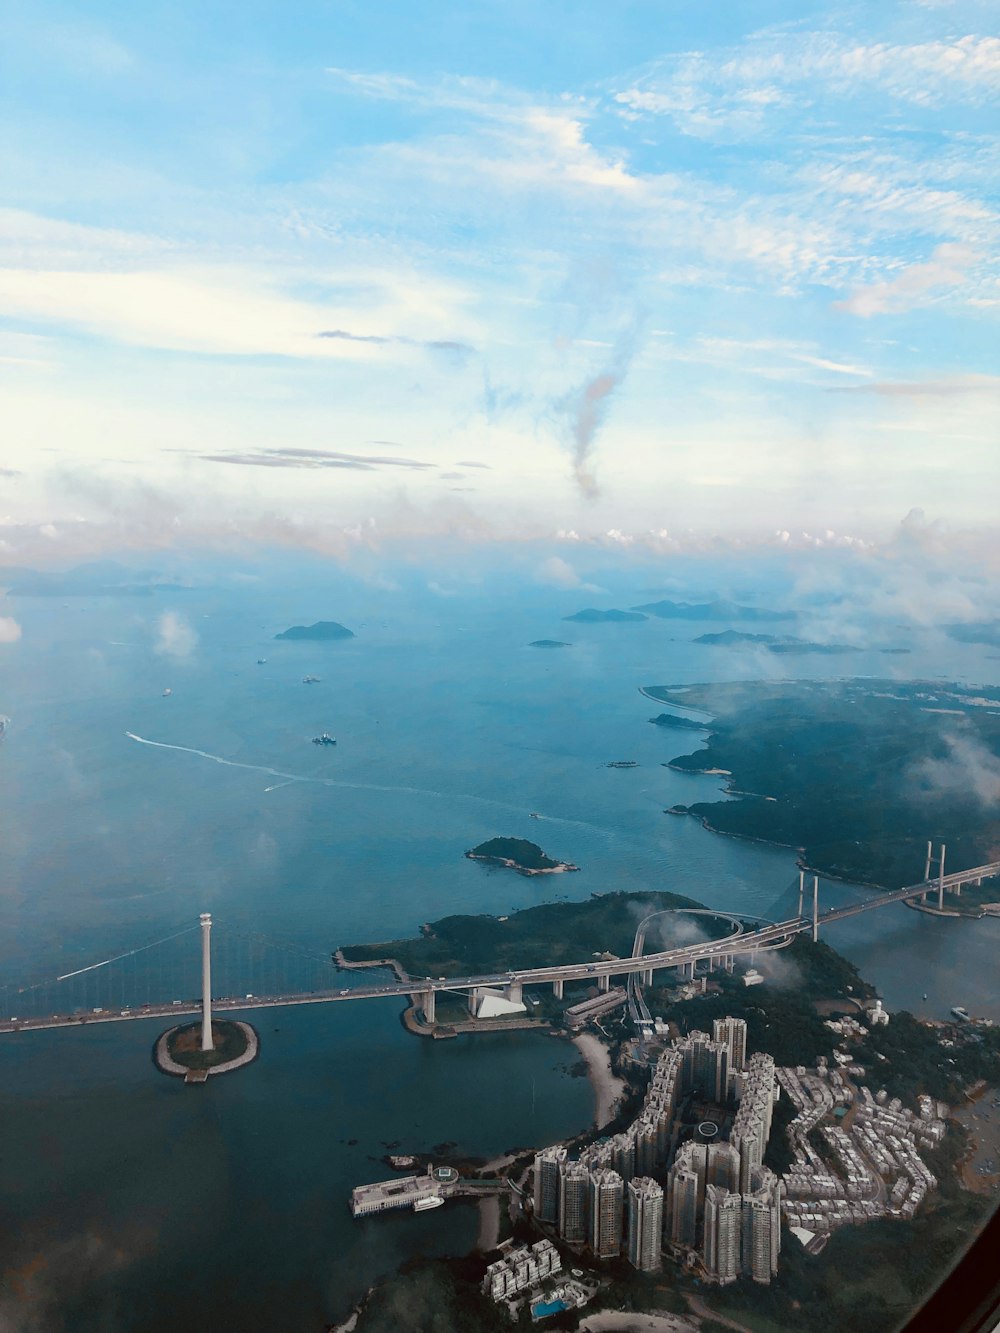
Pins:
x: 128, y: 1200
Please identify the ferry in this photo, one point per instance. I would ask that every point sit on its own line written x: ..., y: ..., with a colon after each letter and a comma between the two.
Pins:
x: 325, y: 739
x: 428, y: 1201
x: 310, y: 680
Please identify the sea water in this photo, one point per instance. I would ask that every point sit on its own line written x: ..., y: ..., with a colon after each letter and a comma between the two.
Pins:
x: 128, y: 1200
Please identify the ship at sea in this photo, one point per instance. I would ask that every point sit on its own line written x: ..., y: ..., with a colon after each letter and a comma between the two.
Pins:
x: 4, y: 724
x: 324, y: 739
x: 310, y: 680
x: 167, y: 692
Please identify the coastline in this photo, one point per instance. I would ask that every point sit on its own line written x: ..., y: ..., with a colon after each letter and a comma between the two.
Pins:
x: 558, y: 869
x: 608, y: 1087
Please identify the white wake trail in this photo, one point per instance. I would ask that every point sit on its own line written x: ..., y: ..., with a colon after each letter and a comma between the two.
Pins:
x: 290, y: 778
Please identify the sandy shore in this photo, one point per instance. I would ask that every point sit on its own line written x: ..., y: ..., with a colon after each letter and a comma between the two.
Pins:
x: 624, y: 1321
x: 608, y: 1088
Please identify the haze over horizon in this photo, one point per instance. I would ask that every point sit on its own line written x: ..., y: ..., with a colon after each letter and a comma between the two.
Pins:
x: 672, y: 280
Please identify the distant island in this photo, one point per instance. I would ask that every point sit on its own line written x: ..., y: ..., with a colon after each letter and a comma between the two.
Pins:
x: 99, y: 578
x: 591, y: 616
x: 728, y: 636
x: 527, y: 858
x: 681, y: 723
x: 987, y: 631
x: 717, y: 610
x: 323, y: 630
x: 549, y: 643
x: 785, y: 643
x: 855, y: 774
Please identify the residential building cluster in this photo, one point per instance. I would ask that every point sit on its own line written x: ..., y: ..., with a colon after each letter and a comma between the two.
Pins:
x: 610, y: 1200
x: 877, y: 1169
x: 521, y: 1267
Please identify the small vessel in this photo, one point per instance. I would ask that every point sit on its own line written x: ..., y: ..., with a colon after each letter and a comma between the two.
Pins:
x: 428, y: 1201
x: 925, y: 995
x: 4, y: 724
x: 534, y: 815
x: 261, y: 661
x: 310, y: 680
x: 960, y: 1013
x: 167, y: 693
x: 325, y: 739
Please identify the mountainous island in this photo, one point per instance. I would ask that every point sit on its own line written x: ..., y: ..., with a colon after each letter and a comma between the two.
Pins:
x: 717, y: 610
x: 549, y: 643
x: 592, y: 616
x: 527, y: 858
x: 678, y: 723
x: 856, y: 774
x: 323, y: 631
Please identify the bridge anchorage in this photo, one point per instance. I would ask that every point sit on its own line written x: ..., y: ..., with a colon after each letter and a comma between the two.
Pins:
x: 258, y: 973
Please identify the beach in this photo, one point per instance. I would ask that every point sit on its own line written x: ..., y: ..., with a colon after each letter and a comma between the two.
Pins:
x: 608, y: 1087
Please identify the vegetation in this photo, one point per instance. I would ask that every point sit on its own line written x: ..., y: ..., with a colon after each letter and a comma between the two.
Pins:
x: 680, y: 723
x: 435, y: 1296
x: 525, y: 855
x: 549, y: 934
x: 859, y: 774
x: 184, y: 1045
x: 906, y: 1058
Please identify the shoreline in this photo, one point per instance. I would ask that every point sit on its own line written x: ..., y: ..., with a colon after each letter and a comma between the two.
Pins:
x: 561, y: 867
x: 608, y: 1088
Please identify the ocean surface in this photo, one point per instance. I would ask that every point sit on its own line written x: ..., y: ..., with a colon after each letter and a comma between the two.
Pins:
x: 128, y: 1200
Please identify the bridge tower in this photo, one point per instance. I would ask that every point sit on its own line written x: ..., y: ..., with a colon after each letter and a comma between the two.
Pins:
x: 802, y: 885
x: 207, y: 1043
x: 815, y: 908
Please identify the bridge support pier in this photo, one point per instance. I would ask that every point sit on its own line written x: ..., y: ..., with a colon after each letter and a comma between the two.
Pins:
x: 557, y: 988
x: 604, y: 982
x: 427, y: 1005
x: 207, y: 1044
x: 513, y: 992
x: 802, y: 885
x: 647, y: 977
x: 815, y: 929
x: 474, y: 998
x: 941, y: 879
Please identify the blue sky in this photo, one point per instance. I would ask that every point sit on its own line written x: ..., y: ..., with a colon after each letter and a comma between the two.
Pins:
x: 661, y: 275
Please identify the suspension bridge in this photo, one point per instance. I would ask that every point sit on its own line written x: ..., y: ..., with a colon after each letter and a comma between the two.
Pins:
x: 163, y: 978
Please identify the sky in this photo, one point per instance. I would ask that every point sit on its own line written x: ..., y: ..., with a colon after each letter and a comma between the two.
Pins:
x: 337, y: 273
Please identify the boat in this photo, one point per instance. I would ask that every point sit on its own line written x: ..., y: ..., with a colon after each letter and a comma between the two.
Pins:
x: 4, y: 724
x: 960, y: 1013
x: 310, y: 680
x: 261, y: 661
x: 325, y: 739
x: 428, y: 1201
x: 167, y: 693
x: 534, y: 815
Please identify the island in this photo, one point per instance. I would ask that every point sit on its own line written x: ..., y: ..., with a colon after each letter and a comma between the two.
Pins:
x: 717, y: 610
x: 544, y: 936
x: 527, y: 858
x: 323, y: 631
x: 549, y: 643
x: 854, y: 774
x: 785, y: 643
x: 178, y: 1051
x: 591, y: 616
x: 679, y: 723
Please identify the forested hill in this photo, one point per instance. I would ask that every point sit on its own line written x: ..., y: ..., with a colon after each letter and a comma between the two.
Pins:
x: 860, y: 773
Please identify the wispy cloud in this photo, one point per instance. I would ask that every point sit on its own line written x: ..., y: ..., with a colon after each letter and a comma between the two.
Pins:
x: 315, y: 458
x: 916, y: 284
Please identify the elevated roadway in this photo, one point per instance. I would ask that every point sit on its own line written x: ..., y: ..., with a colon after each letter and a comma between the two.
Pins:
x: 741, y: 941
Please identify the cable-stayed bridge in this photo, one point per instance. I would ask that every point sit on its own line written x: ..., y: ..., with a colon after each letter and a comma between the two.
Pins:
x: 162, y: 978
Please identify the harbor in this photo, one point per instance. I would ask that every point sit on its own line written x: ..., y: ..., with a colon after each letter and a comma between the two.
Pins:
x: 421, y: 1192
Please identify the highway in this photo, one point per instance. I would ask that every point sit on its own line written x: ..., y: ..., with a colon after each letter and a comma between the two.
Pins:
x: 769, y: 936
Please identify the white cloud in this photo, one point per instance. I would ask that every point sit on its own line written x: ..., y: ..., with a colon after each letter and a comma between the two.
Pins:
x: 175, y: 636
x: 10, y: 630
x: 914, y: 286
